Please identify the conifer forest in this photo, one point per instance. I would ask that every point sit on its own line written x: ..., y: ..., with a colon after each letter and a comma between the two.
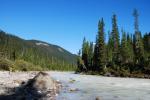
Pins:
x: 124, y: 54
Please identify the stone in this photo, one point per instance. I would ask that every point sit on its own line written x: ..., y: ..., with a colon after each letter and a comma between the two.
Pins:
x: 41, y: 86
x: 73, y: 89
x: 72, y: 80
x: 97, y: 98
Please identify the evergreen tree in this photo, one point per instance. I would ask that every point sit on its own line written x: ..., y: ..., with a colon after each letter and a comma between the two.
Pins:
x: 124, y: 48
x: 110, y: 48
x: 130, y: 48
x: 80, y: 64
x: 115, y: 39
x: 138, y: 43
x: 100, y: 47
x: 90, y: 56
x: 146, y: 41
x: 85, y: 53
x: 95, y: 56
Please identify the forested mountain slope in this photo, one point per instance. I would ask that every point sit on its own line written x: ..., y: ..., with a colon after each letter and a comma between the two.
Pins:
x: 36, y: 52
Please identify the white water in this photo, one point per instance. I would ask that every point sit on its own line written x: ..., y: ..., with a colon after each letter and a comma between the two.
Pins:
x: 106, y: 88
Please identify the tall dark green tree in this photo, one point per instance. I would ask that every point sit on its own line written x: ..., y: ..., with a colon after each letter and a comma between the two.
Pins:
x: 124, y: 48
x: 146, y: 41
x: 110, y: 48
x: 127, y: 53
x: 80, y: 64
x: 90, y: 56
x: 100, y: 48
x: 130, y: 48
x: 86, y: 56
x: 115, y: 39
x: 95, y: 55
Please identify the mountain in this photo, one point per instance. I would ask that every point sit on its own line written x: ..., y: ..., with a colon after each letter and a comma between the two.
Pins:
x: 35, y: 51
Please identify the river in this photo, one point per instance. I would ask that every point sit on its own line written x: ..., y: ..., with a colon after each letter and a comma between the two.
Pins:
x: 88, y: 87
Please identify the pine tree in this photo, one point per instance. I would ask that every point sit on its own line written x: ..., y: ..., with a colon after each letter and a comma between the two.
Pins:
x: 130, y: 48
x: 146, y: 41
x: 80, y: 64
x: 110, y: 49
x: 85, y: 53
x: 100, y: 57
x: 124, y: 48
x: 138, y: 43
x: 115, y: 39
x: 95, y: 56
x: 90, y: 56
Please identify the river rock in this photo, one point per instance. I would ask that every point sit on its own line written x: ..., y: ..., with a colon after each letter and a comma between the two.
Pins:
x: 42, y: 86
x: 72, y: 80
x: 73, y: 89
x: 97, y: 98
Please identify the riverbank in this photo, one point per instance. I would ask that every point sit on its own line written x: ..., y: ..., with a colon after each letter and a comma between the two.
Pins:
x: 85, y: 87
x: 121, y: 75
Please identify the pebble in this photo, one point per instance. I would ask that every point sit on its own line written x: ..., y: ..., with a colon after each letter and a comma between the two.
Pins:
x: 97, y: 98
x: 73, y: 89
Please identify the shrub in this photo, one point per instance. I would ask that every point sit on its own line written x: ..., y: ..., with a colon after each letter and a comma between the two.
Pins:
x: 6, y: 64
x: 26, y: 66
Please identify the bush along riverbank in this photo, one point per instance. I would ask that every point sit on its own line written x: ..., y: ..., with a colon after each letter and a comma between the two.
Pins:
x: 128, y: 57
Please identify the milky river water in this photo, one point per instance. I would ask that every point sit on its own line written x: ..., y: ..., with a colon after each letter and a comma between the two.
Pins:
x: 88, y: 87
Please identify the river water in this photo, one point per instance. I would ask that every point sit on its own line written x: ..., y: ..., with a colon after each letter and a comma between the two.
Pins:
x: 106, y: 88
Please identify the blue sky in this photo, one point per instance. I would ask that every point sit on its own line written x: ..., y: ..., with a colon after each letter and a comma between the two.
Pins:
x: 66, y: 22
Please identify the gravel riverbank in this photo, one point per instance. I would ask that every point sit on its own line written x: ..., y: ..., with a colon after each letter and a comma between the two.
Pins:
x: 28, y: 86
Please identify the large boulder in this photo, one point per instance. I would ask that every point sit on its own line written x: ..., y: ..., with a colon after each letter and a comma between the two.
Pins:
x: 42, y: 86
x: 43, y: 82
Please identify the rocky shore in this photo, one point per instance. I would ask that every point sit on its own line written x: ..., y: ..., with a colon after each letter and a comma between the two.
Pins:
x: 28, y: 86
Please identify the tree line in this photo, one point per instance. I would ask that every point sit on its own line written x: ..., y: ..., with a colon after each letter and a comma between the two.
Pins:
x: 126, y: 56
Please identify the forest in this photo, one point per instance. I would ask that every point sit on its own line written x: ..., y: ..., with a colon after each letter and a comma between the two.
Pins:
x: 124, y: 54
x: 26, y: 55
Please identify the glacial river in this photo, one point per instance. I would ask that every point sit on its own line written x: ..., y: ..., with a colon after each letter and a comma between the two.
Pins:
x: 88, y: 87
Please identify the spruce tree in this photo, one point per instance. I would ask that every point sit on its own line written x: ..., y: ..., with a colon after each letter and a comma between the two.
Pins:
x: 130, y: 48
x: 100, y: 48
x: 138, y: 43
x: 110, y: 49
x: 146, y: 41
x: 95, y: 55
x: 90, y: 56
x: 84, y: 52
x: 80, y: 64
x: 124, y: 48
x: 115, y: 39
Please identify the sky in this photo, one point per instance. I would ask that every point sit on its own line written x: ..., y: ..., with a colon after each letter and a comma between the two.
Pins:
x: 67, y: 22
